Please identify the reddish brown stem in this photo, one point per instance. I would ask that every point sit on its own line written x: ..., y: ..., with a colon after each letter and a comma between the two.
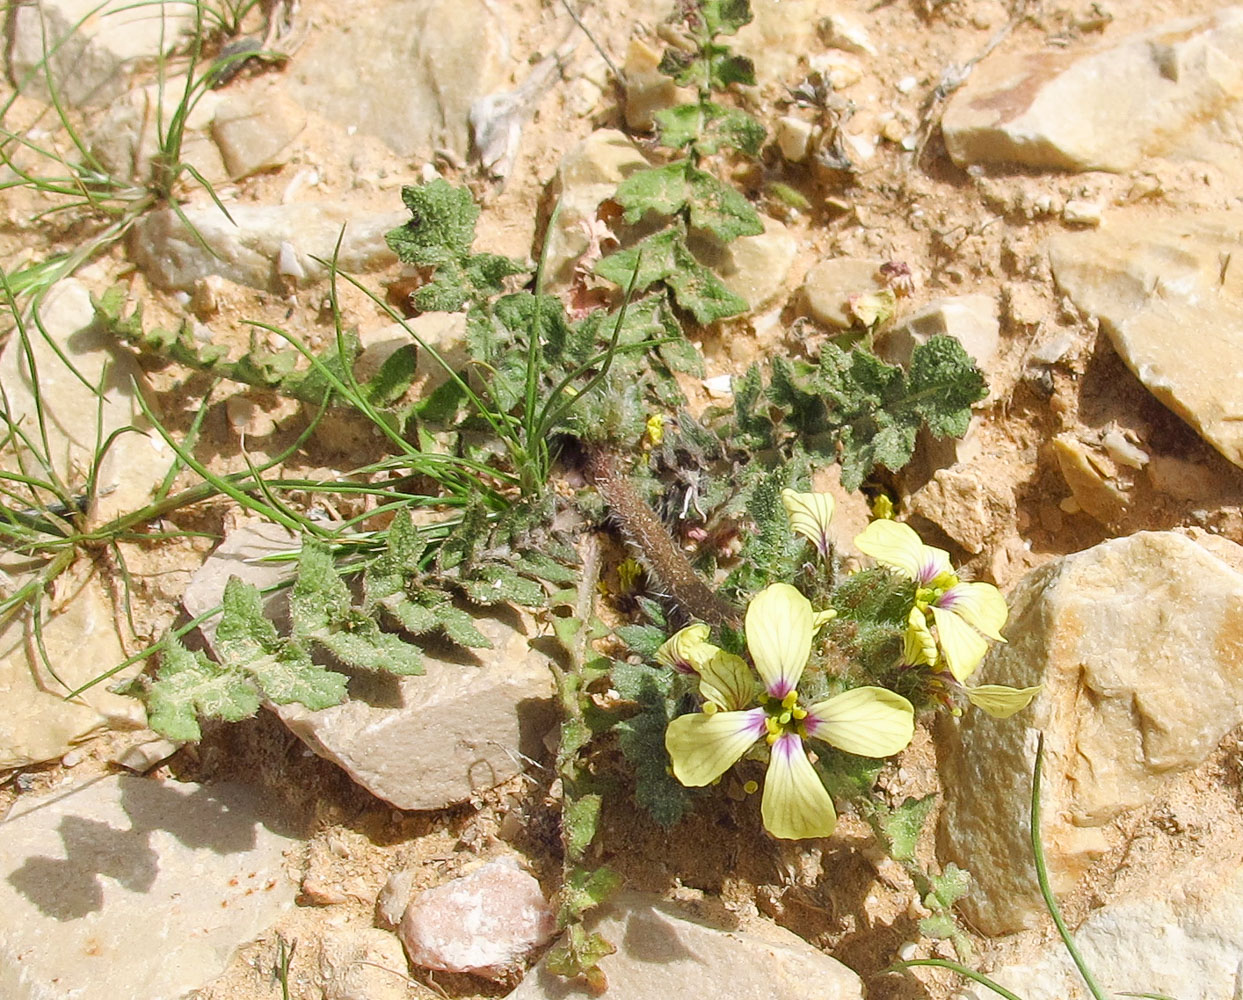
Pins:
x: 659, y: 552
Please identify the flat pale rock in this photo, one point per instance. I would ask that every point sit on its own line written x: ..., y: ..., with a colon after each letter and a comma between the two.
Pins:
x: 81, y: 641
x: 1170, y: 297
x: 131, y: 887
x: 587, y: 175
x: 88, y: 65
x: 247, y: 250
x: 664, y: 951
x: 484, y: 923
x: 1184, y: 941
x: 137, y: 460
x: 254, y: 131
x: 362, y: 964
x: 1138, y: 642
x: 434, y: 741
x: 408, y: 72
x: 1173, y: 91
x: 830, y: 285
x: 969, y: 319
x: 425, y: 742
x: 753, y: 267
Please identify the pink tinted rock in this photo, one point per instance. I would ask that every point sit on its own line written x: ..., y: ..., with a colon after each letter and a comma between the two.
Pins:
x: 485, y: 922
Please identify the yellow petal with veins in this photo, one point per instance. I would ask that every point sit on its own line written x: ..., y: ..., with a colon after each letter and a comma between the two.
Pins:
x: 702, y: 747
x: 961, y: 645
x: 978, y: 604
x: 810, y: 514
x: 727, y: 681
x: 1000, y: 701
x: 779, y: 629
x: 684, y: 648
x: 869, y: 721
x: 795, y: 804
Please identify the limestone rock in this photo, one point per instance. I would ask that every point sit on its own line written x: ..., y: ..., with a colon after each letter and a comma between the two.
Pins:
x: 778, y: 38
x: 132, y: 887
x: 794, y: 137
x: 81, y: 641
x: 754, y: 267
x: 88, y: 65
x: 1174, y: 91
x: 138, y: 460
x: 254, y: 131
x: 588, y: 174
x: 1184, y: 941
x: 125, y: 139
x: 1090, y: 474
x: 1145, y: 280
x: 486, y: 922
x: 966, y: 504
x: 406, y: 73
x: 663, y: 951
x: 394, y: 897
x: 423, y: 742
x: 1139, y: 644
x: 648, y: 90
x: 969, y: 319
x: 362, y: 964
x: 247, y: 250
x: 433, y: 741
x: 829, y: 286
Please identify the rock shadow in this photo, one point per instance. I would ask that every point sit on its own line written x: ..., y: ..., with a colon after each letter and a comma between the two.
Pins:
x: 223, y: 819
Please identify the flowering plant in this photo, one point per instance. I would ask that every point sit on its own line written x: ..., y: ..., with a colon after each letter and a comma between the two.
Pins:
x: 755, y: 709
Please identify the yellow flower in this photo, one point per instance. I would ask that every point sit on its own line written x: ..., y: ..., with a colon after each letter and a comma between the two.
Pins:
x: 810, y: 514
x: 965, y: 615
x: 870, y: 721
x: 1000, y: 701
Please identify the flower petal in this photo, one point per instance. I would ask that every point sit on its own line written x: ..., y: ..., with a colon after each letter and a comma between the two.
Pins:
x: 684, y: 648
x: 821, y: 618
x: 897, y: 545
x: 727, y: 681
x: 810, y: 514
x: 795, y: 803
x: 1000, y: 701
x: 703, y: 747
x: 779, y: 628
x: 961, y: 645
x: 869, y: 721
x: 918, y: 644
x: 978, y: 604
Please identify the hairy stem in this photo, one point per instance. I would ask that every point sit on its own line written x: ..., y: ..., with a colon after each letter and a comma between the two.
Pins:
x: 659, y: 552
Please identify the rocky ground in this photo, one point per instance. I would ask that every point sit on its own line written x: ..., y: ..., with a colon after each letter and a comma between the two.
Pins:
x: 1061, y: 180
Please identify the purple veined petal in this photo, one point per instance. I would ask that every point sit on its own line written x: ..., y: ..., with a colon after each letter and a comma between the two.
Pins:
x: 702, y: 747
x: 779, y: 628
x: 795, y: 804
x: 979, y: 605
x: 685, y: 648
x: 933, y: 562
x: 810, y: 515
x: 869, y: 721
x: 896, y: 545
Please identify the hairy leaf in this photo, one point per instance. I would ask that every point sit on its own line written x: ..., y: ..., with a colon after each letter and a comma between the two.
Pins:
x: 662, y: 190
x: 189, y: 686
x: 720, y: 209
x: 442, y: 224
x: 904, y: 824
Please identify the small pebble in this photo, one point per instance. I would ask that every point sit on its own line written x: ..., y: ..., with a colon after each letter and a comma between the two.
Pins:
x: 907, y: 84
x: 287, y: 263
x: 908, y: 951
x: 72, y: 758
x: 1081, y: 213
